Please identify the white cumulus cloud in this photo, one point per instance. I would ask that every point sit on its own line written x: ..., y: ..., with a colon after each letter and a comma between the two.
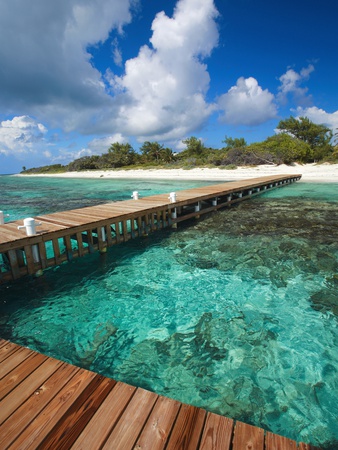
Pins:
x: 247, y: 104
x: 319, y: 116
x: 291, y: 82
x: 20, y: 135
x: 164, y: 86
x: 46, y: 69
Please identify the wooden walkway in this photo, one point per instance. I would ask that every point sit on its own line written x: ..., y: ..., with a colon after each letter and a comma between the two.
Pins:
x: 66, y: 235
x: 49, y: 404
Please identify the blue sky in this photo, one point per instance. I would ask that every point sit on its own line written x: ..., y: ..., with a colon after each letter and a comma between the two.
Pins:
x: 78, y: 75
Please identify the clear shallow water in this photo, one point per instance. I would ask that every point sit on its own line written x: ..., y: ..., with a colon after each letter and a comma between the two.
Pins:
x: 236, y: 313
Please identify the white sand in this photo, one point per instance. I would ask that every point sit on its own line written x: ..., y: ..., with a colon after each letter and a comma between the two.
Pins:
x: 327, y: 173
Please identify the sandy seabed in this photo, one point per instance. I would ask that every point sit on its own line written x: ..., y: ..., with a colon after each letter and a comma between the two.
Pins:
x: 326, y: 173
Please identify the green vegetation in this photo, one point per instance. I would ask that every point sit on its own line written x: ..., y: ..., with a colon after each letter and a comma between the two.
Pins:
x: 299, y: 140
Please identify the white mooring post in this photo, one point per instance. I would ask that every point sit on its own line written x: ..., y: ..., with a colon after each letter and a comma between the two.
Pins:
x: 29, y: 224
x: 135, y: 195
x: 2, y: 217
x: 172, y: 197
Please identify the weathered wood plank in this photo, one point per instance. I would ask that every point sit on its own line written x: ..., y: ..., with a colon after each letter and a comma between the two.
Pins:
x: 248, y: 437
x: 20, y: 372
x: 275, y: 442
x: 17, y: 358
x: 217, y: 433
x: 156, y: 431
x: 27, y: 387
x: 79, y: 415
x: 33, y: 406
x: 7, y: 349
x: 126, y: 432
x: 105, y: 418
x: 35, y: 433
x: 303, y: 446
x: 188, y: 428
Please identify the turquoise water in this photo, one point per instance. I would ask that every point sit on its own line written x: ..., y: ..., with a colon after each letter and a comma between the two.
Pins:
x: 236, y: 313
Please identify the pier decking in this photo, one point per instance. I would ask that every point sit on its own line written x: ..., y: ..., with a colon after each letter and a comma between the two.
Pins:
x: 67, y: 235
x: 49, y: 404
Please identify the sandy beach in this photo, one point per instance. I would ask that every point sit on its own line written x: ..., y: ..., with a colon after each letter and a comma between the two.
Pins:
x: 327, y: 173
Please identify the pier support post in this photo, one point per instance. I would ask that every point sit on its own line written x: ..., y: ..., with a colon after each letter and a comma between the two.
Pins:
x: 2, y: 217
x: 174, y: 216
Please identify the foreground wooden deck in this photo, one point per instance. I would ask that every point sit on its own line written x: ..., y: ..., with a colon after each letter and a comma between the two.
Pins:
x: 66, y: 235
x: 49, y: 404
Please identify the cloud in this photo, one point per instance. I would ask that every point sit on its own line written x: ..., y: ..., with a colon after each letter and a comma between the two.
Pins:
x: 247, y: 104
x: 319, y: 116
x: 22, y: 134
x: 46, y: 70
x: 101, y: 145
x: 291, y: 84
x: 162, y: 92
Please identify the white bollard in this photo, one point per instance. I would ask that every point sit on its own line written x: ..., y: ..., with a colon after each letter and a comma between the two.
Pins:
x: 172, y: 197
x: 135, y: 195
x: 2, y: 217
x: 30, y: 225
x: 214, y: 202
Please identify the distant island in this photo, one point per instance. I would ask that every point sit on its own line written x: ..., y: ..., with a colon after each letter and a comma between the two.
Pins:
x: 298, y: 140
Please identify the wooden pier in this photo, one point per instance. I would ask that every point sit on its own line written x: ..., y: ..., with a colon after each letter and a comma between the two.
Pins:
x: 66, y: 235
x: 49, y: 404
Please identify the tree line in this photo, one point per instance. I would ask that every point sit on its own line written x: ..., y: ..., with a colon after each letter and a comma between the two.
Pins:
x: 298, y: 140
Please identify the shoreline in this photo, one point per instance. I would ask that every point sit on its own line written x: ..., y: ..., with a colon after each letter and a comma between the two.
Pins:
x: 326, y: 173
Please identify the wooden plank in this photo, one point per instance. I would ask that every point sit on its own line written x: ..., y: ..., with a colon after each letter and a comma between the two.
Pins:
x: 16, y: 358
x: 303, y: 446
x: 105, y: 418
x: 157, y: 429
x: 7, y: 349
x: 248, y: 437
x: 27, y: 387
x: 275, y: 442
x: 188, y: 428
x: 217, y: 433
x: 72, y: 424
x: 35, y: 433
x: 127, y: 430
x: 34, y: 405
